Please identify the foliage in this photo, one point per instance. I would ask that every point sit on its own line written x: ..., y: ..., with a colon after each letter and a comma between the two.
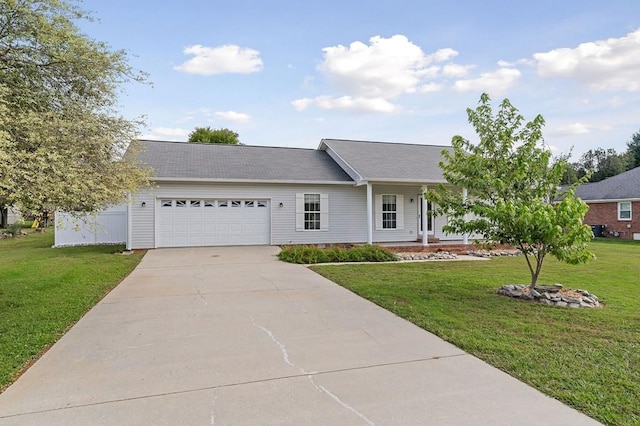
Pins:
x: 633, y: 151
x: 587, y: 358
x: 60, y: 134
x: 208, y: 135
x: 14, y: 228
x: 313, y: 254
x: 600, y: 164
x: 44, y: 291
x: 512, y: 185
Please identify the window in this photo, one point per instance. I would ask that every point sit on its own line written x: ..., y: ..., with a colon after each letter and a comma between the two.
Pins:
x: 223, y: 203
x: 389, y: 212
x: 235, y: 203
x: 181, y: 203
x: 624, y: 210
x: 195, y: 203
x: 166, y: 203
x: 209, y: 203
x: 262, y: 203
x: 249, y: 204
x: 311, y: 211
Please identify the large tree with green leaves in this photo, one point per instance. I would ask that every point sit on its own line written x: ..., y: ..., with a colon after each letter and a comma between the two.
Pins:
x: 209, y: 135
x: 61, y: 137
x: 513, y: 186
x: 633, y: 151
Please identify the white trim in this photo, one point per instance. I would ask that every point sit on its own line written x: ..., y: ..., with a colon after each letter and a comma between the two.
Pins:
x: 225, y: 180
x: 300, y: 211
x: 324, y: 212
x: 156, y: 222
x: 369, y: 213
x: 129, y: 221
x: 626, y: 219
x: 399, y: 212
x: 613, y: 200
x: 424, y: 219
x: 322, y: 142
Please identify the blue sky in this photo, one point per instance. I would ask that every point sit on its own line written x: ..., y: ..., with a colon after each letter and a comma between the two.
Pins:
x: 289, y: 73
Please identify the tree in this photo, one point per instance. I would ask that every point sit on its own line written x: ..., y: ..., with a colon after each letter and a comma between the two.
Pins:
x: 633, y: 151
x: 512, y: 183
x: 61, y: 138
x: 602, y: 163
x: 208, y: 135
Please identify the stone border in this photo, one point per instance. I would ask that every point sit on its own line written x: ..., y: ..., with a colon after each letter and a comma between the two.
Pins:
x: 554, y: 295
x: 416, y: 255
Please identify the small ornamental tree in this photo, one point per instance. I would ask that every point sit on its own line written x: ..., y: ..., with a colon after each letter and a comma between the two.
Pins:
x: 514, y: 194
x: 209, y: 135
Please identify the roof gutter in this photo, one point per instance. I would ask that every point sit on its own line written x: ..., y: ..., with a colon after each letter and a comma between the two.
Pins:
x: 270, y: 181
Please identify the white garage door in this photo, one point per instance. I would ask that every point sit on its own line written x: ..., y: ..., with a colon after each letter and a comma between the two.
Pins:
x: 221, y: 222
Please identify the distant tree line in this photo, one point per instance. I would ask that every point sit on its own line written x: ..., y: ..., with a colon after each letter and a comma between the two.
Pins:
x: 603, y: 163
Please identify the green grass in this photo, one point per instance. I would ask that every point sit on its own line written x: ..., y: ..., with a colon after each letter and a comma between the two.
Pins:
x: 43, y: 291
x: 587, y: 358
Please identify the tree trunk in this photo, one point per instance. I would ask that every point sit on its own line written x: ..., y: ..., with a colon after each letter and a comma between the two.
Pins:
x: 4, y: 216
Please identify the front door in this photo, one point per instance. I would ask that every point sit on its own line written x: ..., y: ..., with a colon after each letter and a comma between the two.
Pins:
x: 429, y: 217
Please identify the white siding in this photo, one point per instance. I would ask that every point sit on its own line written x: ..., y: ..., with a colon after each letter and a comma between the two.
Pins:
x: 347, y: 211
x: 409, y: 210
x: 106, y: 227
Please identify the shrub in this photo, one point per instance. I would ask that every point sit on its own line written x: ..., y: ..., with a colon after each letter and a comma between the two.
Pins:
x: 313, y: 254
x: 14, y: 229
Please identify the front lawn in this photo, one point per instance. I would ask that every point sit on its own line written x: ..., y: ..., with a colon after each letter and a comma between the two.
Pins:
x: 43, y: 291
x: 587, y: 358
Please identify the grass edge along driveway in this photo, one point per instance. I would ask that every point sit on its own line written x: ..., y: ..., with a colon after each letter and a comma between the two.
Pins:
x: 44, y: 291
x: 586, y: 358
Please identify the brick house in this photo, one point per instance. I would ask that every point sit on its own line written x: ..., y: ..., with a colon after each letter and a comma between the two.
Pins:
x: 614, y: 205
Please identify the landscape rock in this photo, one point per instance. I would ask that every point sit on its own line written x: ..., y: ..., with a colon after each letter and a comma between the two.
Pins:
x: 555, y: 295
x: 440, y: 255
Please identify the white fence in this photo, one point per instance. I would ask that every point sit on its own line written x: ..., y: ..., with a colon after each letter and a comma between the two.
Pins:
x: 107, y: 227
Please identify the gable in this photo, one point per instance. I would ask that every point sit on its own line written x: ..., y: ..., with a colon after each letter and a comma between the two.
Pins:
x: 390, y: 162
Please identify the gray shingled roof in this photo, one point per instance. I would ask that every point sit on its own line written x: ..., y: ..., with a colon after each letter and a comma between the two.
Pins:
x: 384, y: 161
x: 181, y: 160
x: 620, y: 187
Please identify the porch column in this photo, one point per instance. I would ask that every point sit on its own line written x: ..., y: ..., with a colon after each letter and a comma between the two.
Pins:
x: 465, y: 236
x: 424, y: 218
x: 369, y: 213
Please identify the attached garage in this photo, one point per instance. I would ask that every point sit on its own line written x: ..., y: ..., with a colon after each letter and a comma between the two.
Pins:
x: 184, y: 222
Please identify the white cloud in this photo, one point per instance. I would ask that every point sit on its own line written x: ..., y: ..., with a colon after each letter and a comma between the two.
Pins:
x: 495, y: 83
x: 430, y: 88
x: 220, y: 60
x: 571, y: 129
x: 361, y: 104
x: 610, y: 64
x: 370, y: 76
x: 167, y: 134
x: 386, y: 68
x: 456, y: 70
x: 236, y: 117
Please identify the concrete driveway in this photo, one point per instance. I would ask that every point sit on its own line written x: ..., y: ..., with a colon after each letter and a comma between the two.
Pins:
x: 232, y: 336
